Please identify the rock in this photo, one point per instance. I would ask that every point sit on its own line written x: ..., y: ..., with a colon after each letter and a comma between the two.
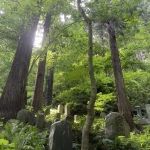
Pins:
x: 67, y: 110
x: 40, y: 121
x: 116, y: 126
x: 23, y: 115
x: 60, y: 137
x: 31, y: 120
x: 60, y: 109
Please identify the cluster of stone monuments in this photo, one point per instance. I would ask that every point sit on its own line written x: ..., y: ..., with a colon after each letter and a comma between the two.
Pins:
x: 39, y: 119
x: 60, y: 136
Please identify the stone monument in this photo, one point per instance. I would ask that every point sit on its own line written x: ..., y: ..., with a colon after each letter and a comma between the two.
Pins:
x: 116, y: 126
x: 60, y: 137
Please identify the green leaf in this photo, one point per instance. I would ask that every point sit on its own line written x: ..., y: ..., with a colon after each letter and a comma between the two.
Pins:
x: 3, y: 142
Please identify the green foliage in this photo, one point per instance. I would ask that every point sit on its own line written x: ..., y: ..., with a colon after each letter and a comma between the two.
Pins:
x: 52, y: 115
x: 135, y: 142
x: 137, y: 85
x: 98, y: 124
x: 104, y: 102
x: 24, y: 137
x: 143, y: 138
x: 120, y: 143
x: 77, y: 108
x: 115, y: 10
x: 4, y: 145
x: 76, y: 94
x: 79, y: 123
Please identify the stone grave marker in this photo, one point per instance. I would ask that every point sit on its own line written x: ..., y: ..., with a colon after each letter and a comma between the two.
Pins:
x: 40, y: 121
x: 60, y: 137
x: 75, y: 118
x: 60, y: 109
x: 67, y: 110
x: 23, y: 115
x: 116, y: 126
x: 31, y: 119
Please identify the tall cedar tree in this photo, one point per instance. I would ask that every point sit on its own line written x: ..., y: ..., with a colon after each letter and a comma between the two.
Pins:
x: 123, y: 102
x: 49, y: 86
x: 90, y: 108
x: 14, y: 93
x: 38, y: 101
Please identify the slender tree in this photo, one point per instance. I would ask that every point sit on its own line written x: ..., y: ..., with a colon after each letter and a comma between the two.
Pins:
x: 123, y: 102
x: 37, y: 101
x: 90, y: 108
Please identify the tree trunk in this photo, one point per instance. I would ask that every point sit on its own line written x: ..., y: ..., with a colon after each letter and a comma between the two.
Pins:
x: 123, y: 102
x: 90, y: 108
x: 13, y: 96
x: 49, y: 89
x: 38, y: 101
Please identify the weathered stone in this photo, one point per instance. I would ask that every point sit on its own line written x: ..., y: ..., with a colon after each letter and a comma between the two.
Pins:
x: 23, y: 115
x: 31, y: 120
x: 60, y: 137
x: 67, y: 110
x: 60, y: 109
x: 116, y: 126
x: 40, y: 121
x: 75, y: 118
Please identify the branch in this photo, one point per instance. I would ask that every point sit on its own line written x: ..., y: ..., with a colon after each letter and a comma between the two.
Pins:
x: 82, y: 11
x: 48, y: 44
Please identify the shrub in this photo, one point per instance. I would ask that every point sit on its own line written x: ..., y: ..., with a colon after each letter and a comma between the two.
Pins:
x: 25, y: 137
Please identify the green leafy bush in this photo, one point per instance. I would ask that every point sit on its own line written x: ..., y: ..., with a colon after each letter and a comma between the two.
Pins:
x: 77, y: 108
x: 135, y: 142
x: 4, y: 145
x: 25, y: 137
x: 120, y: 143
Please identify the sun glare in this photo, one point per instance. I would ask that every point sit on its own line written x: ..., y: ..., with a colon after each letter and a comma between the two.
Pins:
x: 38, y: 36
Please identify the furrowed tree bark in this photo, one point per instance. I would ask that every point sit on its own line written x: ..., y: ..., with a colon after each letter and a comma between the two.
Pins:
x: 90, y: 108
x: 123, y: 102
x: 38, y: 100
x: 13, y: 96
x: 49, y: 87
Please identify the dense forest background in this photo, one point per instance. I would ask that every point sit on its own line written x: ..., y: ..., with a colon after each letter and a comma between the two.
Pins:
x: 66, y: 47
x: 44, y: 53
